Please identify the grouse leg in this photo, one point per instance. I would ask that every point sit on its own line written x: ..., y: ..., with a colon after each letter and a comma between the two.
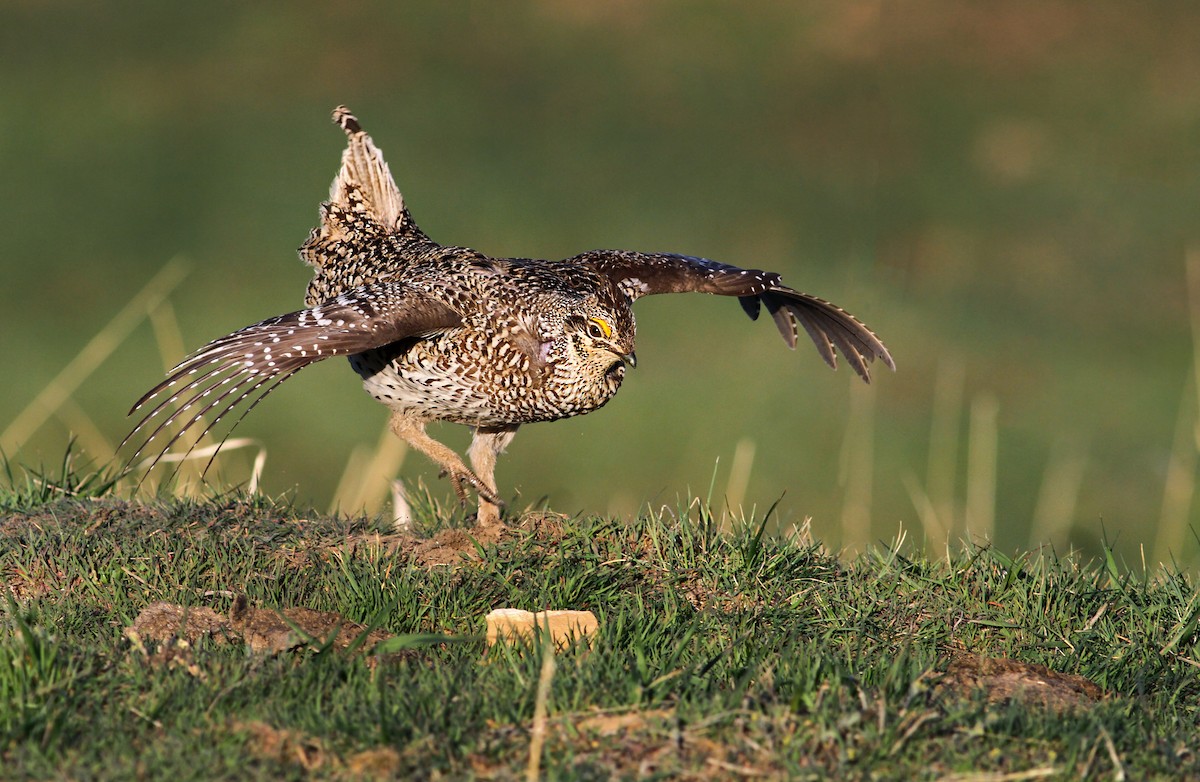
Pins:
x: 488, y: 443
x: 411, y: 430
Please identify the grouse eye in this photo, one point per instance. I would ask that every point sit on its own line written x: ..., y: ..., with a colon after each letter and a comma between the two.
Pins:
x: 598, y: 329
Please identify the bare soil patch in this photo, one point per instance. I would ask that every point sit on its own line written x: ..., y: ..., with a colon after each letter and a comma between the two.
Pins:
x: 264, y: 630
x: 1005, y: 681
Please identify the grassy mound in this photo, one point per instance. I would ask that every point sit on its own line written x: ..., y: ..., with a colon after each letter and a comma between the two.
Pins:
x: 720, y: 653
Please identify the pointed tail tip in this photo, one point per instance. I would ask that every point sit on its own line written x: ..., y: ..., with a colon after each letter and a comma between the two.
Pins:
x: 346, y: 121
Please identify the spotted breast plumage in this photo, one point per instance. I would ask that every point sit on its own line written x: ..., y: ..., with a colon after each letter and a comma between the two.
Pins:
x: 443, y: 333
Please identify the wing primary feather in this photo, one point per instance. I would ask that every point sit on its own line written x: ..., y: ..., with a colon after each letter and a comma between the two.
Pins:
x: 784, y: 320
x: 751, y: 304
x: 200, y: 386
x: 832, y: 329
x: 274, y: 384
x: 260, y: 356
x: 238, y: 382
x: 271, y: 383
x: 820, y: 338
x: 169, y: 400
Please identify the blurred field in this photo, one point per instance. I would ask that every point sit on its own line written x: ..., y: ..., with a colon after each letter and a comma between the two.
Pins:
x: 1008, y: 196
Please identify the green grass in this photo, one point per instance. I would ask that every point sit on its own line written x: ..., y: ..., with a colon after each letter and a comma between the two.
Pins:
x: 736, y: 653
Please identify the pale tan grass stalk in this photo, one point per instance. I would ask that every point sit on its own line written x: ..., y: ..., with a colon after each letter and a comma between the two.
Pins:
x: 365, y: 484
x: 982, y: 448
x: 802, y: 535
x: 1113, y: 756
x: 942, y: 472
x: 88, y: 435
x: 167, y: 334
x: 1179, y: 486
x: 189, y: 486
x: 1192, y: 265
x: 857, y: 468
x: 1054, y: 514
x: 402, y: 515
x: 998, y: 776
x: 935, y: 533
x: 739, y: 475
x: 347, y: 491
x: 384, y: 463
x: 93, y: 355
x: 541, y: 708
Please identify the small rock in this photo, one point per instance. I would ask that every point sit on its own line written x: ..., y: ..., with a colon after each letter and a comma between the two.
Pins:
x: 565, y: 626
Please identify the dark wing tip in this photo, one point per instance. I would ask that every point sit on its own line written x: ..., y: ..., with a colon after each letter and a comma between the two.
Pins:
x: 831, y: 329
x: 751, y: 305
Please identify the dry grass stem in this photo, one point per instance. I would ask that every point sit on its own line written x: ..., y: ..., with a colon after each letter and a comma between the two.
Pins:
x: 167, y: 334
x: 402, y: 516
x: 92, y: 356
x: 365, y: 483
x: 1054, y: 513
x: 1179, y: 486
x: 537, y: 738
x: 982, y: 448
x: 935, y: 533
x: 944, y: 431
x: 187, y: 487
x: 739, y: 475
x: 90, y: 438
x: 858, y: 468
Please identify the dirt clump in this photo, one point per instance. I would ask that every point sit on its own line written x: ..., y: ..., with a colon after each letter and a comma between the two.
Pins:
x: 292, y: 747
x: 264, y: 630
x: 1011, y: 681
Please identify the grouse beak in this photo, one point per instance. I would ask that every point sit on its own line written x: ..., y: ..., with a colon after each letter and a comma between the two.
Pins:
x: 630, y: 359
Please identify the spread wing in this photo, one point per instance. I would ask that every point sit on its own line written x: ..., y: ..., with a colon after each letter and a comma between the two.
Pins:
x: 831, y: 328
x: 251, y: 362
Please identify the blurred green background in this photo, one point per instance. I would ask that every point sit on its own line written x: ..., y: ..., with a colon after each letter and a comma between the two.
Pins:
x: 1007, y: 194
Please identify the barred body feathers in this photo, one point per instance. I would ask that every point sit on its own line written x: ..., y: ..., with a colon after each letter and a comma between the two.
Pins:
x: 443, y: 333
